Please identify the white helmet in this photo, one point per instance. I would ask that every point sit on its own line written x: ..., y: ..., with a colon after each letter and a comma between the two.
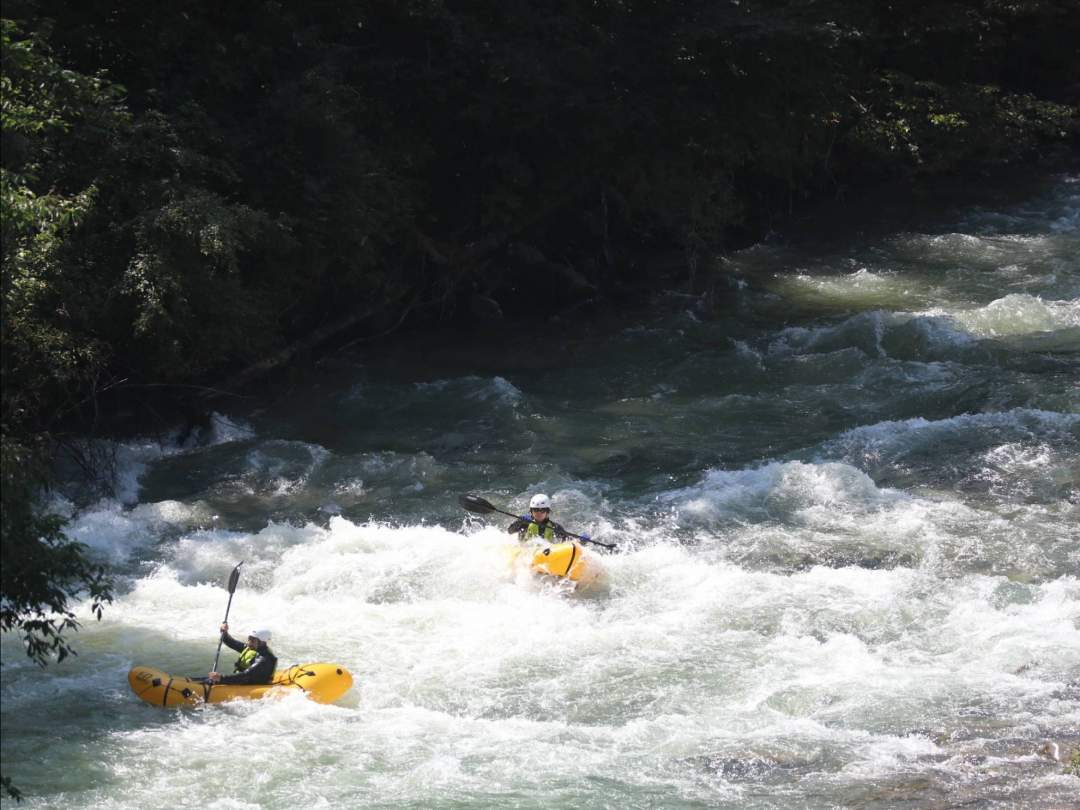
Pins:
x: 540, y: 501
x: 261, y: 635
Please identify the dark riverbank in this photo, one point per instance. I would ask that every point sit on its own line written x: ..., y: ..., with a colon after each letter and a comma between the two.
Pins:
x: 205, y: 189
x: 480, y: 341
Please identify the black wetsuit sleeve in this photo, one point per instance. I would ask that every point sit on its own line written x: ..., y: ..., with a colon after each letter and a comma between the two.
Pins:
x: 260, y: 671
x: 232, y: 643
x: 519, y: 526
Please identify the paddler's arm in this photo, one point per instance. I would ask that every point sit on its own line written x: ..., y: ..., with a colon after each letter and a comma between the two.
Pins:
x: 229, y: 641
x: 232, y: 644
x: 519, y: 526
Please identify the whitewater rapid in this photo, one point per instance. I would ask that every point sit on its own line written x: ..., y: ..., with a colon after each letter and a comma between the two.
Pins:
x: 848, y: 512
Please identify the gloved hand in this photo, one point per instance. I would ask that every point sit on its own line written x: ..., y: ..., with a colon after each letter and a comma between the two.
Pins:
x: 585, y: 536
x: 525, y: 518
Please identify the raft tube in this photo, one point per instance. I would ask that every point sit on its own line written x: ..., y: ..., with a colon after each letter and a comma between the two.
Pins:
x: 323, y: 683
x: 565, y: 561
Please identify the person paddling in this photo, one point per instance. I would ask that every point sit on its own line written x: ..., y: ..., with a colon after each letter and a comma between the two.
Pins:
x: 538, y: 523
x: 256, y: 663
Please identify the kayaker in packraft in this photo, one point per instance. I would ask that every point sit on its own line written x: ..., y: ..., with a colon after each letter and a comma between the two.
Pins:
x: 538, y: 523
x: 256, y: 663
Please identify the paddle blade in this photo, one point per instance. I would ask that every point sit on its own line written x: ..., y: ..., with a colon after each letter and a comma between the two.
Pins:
x: 234, y: 577
x: 474, y: 503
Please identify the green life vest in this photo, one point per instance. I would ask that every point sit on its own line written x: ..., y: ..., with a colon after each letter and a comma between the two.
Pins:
x: 534, y: 531
x: 246, y: 658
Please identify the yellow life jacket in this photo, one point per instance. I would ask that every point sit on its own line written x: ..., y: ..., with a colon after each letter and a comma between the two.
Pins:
x: 247, y: 657
x: 534, y: 531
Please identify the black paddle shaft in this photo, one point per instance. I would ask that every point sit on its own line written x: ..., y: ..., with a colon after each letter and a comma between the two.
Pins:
x: 234, y: 577
x: 474, y: 503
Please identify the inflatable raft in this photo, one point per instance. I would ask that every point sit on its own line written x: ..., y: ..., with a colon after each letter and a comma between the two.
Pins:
x: 565, y: 561
x: 323, y: 683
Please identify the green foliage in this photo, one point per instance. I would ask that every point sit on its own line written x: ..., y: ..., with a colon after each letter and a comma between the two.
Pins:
x: 42, y: 568
x: 267, y: 167
x: 42, y: 359
x: 284, y: 164
x: 185, y: 286
x: 46, y: 363
x: 925, y: 127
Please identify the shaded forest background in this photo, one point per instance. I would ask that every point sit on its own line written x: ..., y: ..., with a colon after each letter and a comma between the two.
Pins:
x: 192, y: 188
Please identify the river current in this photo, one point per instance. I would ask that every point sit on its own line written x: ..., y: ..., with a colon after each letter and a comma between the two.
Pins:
x: 847, y: 504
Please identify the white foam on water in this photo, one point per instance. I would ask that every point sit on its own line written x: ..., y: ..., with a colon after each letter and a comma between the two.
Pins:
x: 1029, y: 470
x: 753, y: 357
x: 939, y: 333
x: 795, y: 514
x: 792, y: 490
x: 471, y: 682
x: 115, y: 532
x: 864, y: 331
x: 965, y: 256
x: 886, y: 441
x: 476, y: 388
x: 283, y: 467
x: 1016, y: 314
x: 224, y: 430
x: 864, y: 289
x: 502, y: 390
x: 132, y: 458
